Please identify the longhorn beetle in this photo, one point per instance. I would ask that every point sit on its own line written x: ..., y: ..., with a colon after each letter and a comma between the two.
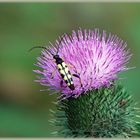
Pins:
x: 62, y: 68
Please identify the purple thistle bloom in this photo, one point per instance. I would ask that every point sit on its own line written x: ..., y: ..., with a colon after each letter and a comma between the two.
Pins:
x: 97, y: 60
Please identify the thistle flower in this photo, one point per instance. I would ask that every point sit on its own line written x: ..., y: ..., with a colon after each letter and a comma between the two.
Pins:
x: 104, y: 111
x: 96, y: 58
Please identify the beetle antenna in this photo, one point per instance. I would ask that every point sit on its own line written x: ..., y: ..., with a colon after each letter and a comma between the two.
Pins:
x: 42, y: 48
x: 36, y: 47
x: 61, y: 38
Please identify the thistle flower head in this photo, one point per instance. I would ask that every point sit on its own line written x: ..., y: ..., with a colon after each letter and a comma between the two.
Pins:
x: 96, y: 58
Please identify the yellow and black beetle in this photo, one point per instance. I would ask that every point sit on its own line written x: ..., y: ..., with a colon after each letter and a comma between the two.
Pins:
x: 62, y: 68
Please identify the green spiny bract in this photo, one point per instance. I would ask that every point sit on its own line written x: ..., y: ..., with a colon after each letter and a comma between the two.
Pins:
x: 105, y: 112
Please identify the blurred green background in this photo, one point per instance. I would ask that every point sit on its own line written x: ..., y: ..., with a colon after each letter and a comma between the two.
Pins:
x: 24, y: 110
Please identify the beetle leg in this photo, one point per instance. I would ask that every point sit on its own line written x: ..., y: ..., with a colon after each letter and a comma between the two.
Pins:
x: 77, y: 76
x: 70, y: 65
x: 52, y: 74
x: 61, y: 83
